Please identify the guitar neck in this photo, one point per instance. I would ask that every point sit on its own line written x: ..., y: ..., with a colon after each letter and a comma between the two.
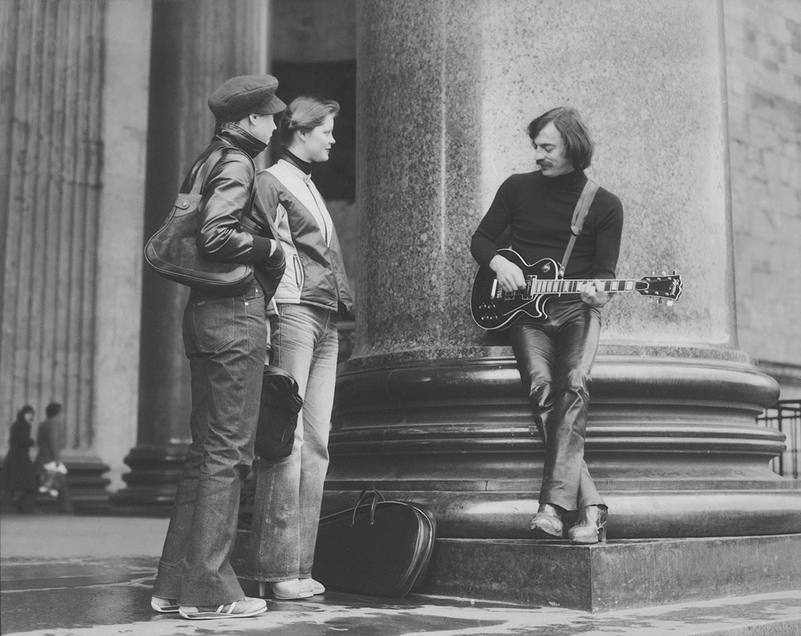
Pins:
x: 573, y: 286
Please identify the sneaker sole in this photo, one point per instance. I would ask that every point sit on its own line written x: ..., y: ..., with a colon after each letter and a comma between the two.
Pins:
x: 292, y: 597
x: 165, y: 609
x: 205, y: 616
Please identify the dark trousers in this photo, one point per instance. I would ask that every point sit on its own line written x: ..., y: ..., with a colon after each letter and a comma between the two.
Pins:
x: 554, y: 357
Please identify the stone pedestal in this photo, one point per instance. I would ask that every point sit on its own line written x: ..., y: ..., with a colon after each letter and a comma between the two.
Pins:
x: 619, y: 575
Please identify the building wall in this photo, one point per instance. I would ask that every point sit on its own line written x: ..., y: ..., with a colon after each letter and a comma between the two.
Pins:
x: 763, y: 46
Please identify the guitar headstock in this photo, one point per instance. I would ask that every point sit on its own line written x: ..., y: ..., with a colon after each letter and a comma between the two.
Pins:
x: 667, y: 286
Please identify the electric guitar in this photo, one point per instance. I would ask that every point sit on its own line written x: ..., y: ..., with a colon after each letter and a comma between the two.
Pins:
x: 493, y: 308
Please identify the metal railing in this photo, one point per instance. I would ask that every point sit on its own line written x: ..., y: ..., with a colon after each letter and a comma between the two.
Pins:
x: 785, y: 416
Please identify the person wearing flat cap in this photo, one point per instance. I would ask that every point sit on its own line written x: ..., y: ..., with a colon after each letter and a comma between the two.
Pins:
x: 226, y: 342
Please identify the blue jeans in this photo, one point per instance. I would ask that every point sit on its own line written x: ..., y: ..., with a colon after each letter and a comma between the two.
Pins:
x: 226, y: 343
x: 289, y: 491
x: 554, y: 357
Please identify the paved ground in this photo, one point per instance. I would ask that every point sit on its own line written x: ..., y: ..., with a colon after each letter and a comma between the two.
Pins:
x: 91, y: 576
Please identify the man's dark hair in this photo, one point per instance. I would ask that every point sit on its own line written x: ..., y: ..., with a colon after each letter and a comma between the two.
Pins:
x: 53, y: 409
x: 578, y: 143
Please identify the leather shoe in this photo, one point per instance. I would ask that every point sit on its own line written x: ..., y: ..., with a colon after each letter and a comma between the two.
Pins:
x: 591, y: 526
x: 548, y: 521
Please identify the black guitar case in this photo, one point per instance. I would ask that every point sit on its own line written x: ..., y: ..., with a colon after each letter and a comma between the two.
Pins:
x: 377, y: 548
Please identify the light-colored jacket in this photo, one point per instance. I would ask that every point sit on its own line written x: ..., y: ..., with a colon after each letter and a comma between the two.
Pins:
x: 315, y: 272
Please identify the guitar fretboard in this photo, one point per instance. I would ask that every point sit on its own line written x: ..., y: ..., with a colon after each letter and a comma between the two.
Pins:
x: 535, y: 286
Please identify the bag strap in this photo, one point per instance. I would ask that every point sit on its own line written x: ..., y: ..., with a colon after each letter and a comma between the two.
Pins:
x: 577, y: 222
x: 202, y: 171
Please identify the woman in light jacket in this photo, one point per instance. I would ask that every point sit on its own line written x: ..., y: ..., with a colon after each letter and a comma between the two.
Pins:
x: 303, y: 318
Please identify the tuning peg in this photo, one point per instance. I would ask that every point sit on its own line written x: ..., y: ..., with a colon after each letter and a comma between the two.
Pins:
x: 659, y: 301
x: 664, y: 273
x: 670, y: 303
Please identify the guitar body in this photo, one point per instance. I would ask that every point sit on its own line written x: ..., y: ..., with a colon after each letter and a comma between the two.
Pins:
x: 493, y: 308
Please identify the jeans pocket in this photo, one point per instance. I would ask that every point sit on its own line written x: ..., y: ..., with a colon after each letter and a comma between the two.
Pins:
x: 213, y: 323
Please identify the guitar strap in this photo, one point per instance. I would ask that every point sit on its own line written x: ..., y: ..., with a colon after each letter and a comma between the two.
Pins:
x: 579, y: 214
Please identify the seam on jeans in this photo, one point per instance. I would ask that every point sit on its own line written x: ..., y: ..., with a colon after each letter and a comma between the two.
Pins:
x: 271, y: 490
x: 277, y: 333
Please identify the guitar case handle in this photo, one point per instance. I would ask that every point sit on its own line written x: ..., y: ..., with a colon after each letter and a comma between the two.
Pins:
x: 367, y: 494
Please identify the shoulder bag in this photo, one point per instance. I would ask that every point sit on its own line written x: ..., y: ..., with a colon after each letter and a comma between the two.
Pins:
x: 172, y: 251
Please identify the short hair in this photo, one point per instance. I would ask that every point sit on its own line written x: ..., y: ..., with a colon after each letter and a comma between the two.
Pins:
x: 24, y: 411
x: 304, y: 113
x: 53, y: 409
x: 578, y: 143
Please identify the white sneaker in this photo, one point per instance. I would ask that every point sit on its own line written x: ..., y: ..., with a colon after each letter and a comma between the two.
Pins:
x: 315, y: 586
x: 291, y: 590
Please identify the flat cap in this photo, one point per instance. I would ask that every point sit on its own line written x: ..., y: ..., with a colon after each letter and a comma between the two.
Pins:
x: 240, y: 96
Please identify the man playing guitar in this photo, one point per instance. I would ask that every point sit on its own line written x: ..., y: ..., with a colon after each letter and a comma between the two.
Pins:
x: 555, y: 352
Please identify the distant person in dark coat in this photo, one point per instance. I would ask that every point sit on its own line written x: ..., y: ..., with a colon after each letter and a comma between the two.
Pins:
x: 19, y: 477
x: 51, y: 439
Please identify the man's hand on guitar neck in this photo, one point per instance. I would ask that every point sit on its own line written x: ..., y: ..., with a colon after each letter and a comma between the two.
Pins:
x: 594, y: 295
x: 509, y: 276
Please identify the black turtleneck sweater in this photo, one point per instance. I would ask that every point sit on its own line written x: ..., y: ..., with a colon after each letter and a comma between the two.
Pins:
x: 538, y: 210
x: 301, y: 165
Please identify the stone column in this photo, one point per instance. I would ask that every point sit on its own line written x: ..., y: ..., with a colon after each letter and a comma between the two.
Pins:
x: 120, y: 228
x: 430, y: 407
x: 51, y: 185
x: 196, y: 46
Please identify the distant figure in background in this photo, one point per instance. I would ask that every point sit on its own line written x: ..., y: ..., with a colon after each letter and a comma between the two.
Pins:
x: 19, y: 477
x: 51, y: 439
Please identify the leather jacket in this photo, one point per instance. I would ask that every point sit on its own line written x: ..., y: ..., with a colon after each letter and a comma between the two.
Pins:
x: 227, y: 199
x: 315, y: 271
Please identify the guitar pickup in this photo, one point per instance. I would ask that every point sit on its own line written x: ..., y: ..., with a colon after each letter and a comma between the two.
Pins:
x: 529, y: 287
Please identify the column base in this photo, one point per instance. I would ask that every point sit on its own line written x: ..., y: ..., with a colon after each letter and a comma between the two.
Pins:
x: 672, y: 444
x: 152, y: 483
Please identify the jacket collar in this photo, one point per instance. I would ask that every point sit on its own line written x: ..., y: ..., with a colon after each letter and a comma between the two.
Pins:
x: 294, y: 169
x: 239, y: 137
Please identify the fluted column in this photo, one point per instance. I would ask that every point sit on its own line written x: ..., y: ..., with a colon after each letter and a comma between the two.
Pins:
x: 197, y: 44
x: 50, y: 190
x: 430, y: 407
